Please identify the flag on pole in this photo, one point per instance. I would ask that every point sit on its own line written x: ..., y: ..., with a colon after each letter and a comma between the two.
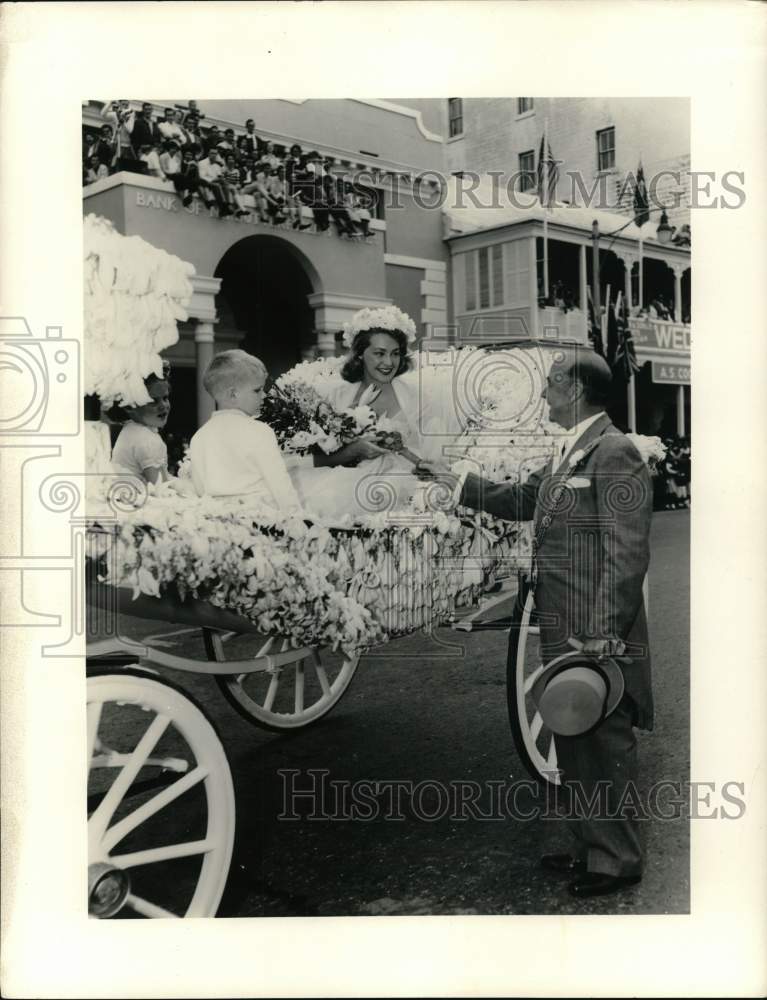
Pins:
x: 595, y: 332
x: 546, y: 189
x: 624, y: 361
x: 641, y: 215
x: 548, y: 173
x: 641, y: 201
x: 612, y: 332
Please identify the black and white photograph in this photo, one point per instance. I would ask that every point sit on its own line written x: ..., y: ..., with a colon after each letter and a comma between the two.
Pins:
x: 302, y: 318
x: 373, y: 565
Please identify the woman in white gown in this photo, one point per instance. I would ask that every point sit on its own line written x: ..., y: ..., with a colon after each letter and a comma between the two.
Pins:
x: 378, y: 373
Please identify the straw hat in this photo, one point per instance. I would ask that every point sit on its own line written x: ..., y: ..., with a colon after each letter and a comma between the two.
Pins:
x: 576, y: 691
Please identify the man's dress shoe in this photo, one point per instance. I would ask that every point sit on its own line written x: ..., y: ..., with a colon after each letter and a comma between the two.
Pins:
x: 563, y: 864
x: 596, y: 884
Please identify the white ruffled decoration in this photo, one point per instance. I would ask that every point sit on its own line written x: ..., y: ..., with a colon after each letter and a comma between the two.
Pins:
x: 135, y: 294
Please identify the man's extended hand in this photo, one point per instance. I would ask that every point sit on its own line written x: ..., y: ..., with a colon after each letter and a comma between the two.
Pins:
x: 362, y: 449
x: 356, y: 451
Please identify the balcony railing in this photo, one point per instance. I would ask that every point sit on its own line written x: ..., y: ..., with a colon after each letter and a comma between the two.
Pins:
x: 156, y: 193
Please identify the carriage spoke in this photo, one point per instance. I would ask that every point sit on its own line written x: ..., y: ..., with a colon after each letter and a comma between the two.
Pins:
x: 124, y: 779
x: 94, y: 717
x: 300, y: 677
x: 116, y: 833
x: 536, y: 725
x: 147, y: 909
x: 111, y: 758
x: 265, y: 648
x: 169, y: 853
x: 322, y: 677
x: 529, y: 681
x: 271, y: 694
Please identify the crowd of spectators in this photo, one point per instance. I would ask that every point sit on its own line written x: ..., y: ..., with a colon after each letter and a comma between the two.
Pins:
x: 288, y: 186
x: 672, y: 479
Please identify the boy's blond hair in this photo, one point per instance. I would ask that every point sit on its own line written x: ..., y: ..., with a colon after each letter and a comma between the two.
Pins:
x: 229, y: 369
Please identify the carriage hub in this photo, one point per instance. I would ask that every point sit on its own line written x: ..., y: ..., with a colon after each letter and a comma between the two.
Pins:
x: 108, y: 888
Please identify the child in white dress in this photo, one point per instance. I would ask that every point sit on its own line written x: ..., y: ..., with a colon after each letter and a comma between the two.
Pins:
x: 139, y: 450
x: 234, y: 454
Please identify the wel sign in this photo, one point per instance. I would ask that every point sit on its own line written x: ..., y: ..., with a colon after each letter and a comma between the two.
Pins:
x: 660, y: 335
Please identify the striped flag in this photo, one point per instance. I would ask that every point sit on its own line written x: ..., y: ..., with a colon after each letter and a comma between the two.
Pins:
x: 641, y: 201
x: 548, y: 173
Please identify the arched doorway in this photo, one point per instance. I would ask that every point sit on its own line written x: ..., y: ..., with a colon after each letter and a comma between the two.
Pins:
x: 265, y: 284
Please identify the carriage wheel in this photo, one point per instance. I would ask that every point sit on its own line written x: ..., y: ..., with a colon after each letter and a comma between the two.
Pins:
x: 533, y: 740
x: 292, y: 696
x: 152, y: 749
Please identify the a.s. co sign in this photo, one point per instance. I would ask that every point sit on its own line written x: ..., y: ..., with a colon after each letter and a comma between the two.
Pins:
x: 670, y: 374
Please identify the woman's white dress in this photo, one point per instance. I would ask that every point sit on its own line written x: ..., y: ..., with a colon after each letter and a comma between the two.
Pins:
x: 386, y: 483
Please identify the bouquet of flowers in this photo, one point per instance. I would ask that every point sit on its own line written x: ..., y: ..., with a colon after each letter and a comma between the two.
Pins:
x: 303, y: 420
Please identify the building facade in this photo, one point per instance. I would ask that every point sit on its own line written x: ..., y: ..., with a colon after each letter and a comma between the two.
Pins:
x: 498, y: 269
x: 601, y: 140
x: 279, y: 292
x: 516, y: 267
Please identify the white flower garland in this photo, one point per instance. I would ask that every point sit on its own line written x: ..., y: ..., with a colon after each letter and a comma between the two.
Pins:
x: 385, y: 318
x: 311, y: 584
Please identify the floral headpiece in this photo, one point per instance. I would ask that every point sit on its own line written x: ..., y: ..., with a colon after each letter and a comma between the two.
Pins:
x: 386, y: 318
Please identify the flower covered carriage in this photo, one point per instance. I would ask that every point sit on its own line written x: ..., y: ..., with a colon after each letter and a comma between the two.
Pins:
x: 287, y: 603
x: 285, y: 606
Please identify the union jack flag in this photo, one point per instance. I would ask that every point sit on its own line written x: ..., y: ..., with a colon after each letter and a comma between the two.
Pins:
x: 624, y: 359
x: 548, y: 173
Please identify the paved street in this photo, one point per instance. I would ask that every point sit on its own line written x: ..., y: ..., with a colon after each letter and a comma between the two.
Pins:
x: 418, y: 715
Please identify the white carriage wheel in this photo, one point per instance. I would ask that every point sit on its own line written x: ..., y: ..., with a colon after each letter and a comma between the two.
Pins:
x: 166, y: 708
x: 533, y: 740
x: 291, y: 696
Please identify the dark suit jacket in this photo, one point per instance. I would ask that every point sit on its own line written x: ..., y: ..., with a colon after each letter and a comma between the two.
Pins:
x: 144, y: 134
x: 594, y: 556
x: 252, y: 144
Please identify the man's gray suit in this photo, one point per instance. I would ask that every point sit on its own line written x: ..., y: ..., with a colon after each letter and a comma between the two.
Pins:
x: 591, y: 565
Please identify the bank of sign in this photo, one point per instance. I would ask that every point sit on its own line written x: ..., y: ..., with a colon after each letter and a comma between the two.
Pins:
x: 671, y: 374
x: 664, y: 336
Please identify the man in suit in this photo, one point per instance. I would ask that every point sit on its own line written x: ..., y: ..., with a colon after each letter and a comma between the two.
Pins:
x: 252, y: 142
x: 592, y: 556
x: 143, y: 130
